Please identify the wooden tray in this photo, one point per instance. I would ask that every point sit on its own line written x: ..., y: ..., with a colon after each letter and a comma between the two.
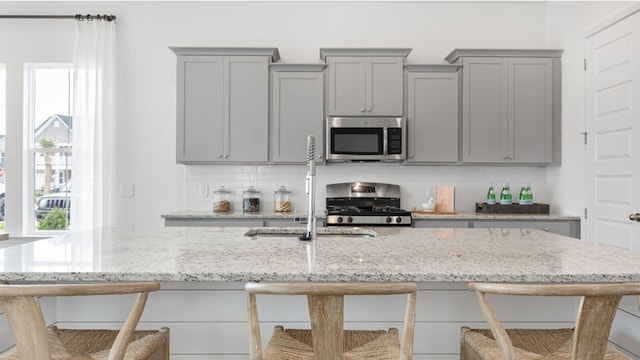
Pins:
x: 534, y: 208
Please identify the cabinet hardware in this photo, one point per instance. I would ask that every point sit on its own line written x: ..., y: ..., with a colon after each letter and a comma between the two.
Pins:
x: 634, y: 217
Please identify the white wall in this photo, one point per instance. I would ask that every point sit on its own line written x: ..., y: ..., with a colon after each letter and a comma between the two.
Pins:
x: 22, y: 42
x: 566, y: 27
x: 147, y: 81
x: 298, y: 30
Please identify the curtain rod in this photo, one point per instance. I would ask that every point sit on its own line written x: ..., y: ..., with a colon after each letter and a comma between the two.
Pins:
x: 75, y: 17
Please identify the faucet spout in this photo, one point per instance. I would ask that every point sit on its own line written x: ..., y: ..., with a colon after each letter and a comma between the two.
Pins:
x: 310, y: 188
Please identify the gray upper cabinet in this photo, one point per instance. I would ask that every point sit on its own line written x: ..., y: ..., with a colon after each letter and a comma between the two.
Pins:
x: 223, y: 104
x: 510, y: 105
x: 296, y: 111
x: 364, y: 82
x: 432, y: 113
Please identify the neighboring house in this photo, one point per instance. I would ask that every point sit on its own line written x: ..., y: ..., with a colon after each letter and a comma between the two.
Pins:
x: 57, y: 128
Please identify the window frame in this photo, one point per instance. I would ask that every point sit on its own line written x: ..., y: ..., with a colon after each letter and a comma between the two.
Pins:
x: 29, y: 148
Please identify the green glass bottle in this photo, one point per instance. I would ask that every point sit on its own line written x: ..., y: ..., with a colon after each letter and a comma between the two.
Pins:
x: 528, y: 195
x: 505, y: 195
x: 491, y: 195
x: 522, y: 198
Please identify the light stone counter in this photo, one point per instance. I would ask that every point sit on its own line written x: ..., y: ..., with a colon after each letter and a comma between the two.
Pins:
x: 209, y: 214
x: 396, y: 254
x: 470, y: 215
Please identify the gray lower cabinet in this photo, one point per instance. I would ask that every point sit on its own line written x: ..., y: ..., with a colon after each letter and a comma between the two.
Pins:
x: 221, y: 222
x: 297, y: 111
x: 510, y: 101
x: 364, y: 82
x: 422, y: 223
x: 432, y: 113
x: 235, y: 222
x: 223, y: 104
x: 564, y: 227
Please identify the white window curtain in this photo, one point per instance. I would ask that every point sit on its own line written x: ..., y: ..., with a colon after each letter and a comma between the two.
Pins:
x: 93, y: 177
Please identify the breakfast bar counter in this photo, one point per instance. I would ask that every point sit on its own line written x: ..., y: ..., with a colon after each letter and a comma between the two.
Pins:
x: 226, y: 254
x: 203, y: 270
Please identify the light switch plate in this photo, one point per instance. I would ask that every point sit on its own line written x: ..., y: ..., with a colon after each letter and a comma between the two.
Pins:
x: 203, y: 190
x: 127, y: 190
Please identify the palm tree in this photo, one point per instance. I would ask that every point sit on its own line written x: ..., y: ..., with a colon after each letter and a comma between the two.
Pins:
x: 47, y: 144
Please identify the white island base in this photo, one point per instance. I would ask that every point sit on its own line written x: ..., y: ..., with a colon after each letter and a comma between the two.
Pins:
x: 203, y: 271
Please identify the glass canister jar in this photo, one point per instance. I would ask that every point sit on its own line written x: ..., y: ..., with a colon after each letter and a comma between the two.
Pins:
x: 251, y: 200
x: 281, y: 200
x: 222, y: 200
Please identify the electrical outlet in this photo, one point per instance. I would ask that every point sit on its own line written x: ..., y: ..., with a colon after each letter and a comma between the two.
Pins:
x: 127, y: 190
x: 203, y: 189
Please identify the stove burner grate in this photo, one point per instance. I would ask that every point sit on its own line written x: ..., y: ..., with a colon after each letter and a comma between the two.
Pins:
x: 343, y: 209
x: 388, y: 209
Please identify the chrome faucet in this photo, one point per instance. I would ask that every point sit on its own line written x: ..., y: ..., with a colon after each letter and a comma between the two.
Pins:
x: 310, y: 188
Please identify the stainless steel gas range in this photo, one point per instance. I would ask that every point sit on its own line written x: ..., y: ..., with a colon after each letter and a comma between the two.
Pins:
x: 365, y: 204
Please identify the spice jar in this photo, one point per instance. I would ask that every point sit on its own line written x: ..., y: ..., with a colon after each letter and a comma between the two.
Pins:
x: 281, y: 200
x: 222, y: 200
x: 251, y: 200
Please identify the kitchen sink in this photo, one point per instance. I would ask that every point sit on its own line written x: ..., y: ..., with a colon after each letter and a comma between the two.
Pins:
x: 296, y: 232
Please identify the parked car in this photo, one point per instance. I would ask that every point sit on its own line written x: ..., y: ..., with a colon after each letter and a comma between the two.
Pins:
x: 60, y: 199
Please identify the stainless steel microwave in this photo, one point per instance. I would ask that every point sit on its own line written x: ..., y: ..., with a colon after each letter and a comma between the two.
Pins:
x: 365, y: 139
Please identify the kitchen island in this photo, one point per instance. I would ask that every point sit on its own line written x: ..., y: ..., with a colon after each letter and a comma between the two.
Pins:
x: 394, y: 254
x: 203, y: 270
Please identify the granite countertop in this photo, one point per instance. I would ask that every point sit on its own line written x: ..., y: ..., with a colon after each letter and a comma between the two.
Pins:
x: 472, y: 215
x: 395, y: 254
x: 208, y: 214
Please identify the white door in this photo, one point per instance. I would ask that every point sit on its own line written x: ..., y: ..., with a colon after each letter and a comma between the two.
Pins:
x: 613, y: 127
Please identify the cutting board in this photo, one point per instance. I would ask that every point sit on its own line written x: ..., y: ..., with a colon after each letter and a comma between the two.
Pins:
x: 445, y: 199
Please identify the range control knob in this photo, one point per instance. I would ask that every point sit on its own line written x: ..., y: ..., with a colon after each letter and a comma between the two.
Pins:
x: 398, y: 220
x: 339, y: 219
x: 349, y: 219
x: 388, y: 219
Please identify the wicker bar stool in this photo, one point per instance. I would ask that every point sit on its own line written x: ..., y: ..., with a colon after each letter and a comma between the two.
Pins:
x: 36, y: 341
x: 587, y: 341
x: 327, y: 339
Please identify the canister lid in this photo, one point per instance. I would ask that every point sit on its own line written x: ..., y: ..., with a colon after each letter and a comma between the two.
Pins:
x: 251, y: 190
x: 222, y: 190
x: 282, y: 190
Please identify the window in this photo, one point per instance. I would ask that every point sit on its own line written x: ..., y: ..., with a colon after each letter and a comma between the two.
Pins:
x: 49, y: 103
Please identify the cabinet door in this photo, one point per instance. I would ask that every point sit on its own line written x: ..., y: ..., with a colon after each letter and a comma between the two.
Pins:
x: 347, y: 85
x: 246, y: 108
x: 199, y: 108
x: 484, y: 110
x: 297, y: 111
x: 432, y: 117
x: 384, y: 86
x: 530, y: 104
x: 556, y: 227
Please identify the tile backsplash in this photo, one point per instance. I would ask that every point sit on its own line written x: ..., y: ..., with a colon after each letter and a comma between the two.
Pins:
x: 470, y: 182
